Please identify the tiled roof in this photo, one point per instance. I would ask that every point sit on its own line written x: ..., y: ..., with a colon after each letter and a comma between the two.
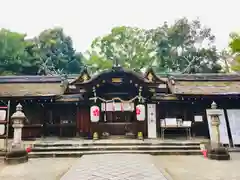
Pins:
x: 30, y: 89
x: 70, y: 98
x: 30, y: 79
x: 205, y: 77
x: 199, y: 87
x: 29, y: 86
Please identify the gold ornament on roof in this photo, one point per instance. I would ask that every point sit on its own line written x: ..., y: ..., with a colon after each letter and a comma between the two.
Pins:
x: 150, y: 77
x: 85, y: 77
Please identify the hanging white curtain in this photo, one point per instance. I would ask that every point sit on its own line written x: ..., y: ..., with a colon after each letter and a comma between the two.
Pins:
x: 122, y: 106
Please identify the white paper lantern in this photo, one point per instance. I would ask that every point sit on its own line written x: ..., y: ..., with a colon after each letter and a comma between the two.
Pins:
x: 2, y: 129
x: 94, y: 113
x: 140, y: 112
x: 3, y: 115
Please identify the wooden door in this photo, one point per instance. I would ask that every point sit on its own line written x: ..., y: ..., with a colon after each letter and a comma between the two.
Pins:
x: 83, y: 121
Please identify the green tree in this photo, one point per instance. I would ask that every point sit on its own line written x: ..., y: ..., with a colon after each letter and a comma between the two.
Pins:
x: 185, y: 47
x: 95, y: 63
x: 131, y: 46
x: 234, y: 46
x: 226, y: 60
x: 13, y: 55
x: 56, y: 53
x: 51, y: 52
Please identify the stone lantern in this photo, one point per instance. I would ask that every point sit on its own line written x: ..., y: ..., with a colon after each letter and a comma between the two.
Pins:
x: 18, y: 119
x: 17, y: 154
x: 215, y: 122
x: 216, y: 150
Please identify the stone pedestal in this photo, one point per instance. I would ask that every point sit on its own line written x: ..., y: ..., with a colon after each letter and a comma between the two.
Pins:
x: 216, y: 150
x: 17, y: 153
x: 17, y: 136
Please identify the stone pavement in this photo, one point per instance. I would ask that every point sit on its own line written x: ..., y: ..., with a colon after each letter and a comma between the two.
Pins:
x: 114, y: 167
x: 36, y: 169
x: 199, y: 168
x: 178, y: 167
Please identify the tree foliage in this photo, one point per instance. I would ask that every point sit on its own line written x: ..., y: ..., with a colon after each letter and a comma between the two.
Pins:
x: 234, y: 45
x: 51, y: 52
x: 13, y: 57
x: 184, y: 47
x: 96, y: 63
x: 57, y: 53
x: 130, y: 46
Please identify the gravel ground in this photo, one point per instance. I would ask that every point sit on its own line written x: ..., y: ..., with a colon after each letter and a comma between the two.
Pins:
x: 37, y: 169
x: 199, y: 168
x: 178, y: 167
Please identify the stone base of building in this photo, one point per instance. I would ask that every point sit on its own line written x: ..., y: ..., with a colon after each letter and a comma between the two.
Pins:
x: 218, y: 154
x: 16, y: 157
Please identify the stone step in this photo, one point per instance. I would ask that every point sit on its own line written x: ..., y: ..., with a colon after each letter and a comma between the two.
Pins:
x: 115, y: 144
x: 237, y: 149
x: 99, y: 148
x: 80, y: 153
x: 139, y: 144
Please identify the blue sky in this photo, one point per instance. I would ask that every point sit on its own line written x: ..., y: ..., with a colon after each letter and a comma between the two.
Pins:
x: 84, y: 20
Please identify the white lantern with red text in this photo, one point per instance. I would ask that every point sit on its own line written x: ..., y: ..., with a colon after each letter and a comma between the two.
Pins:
x: 140, y: 112
x: 94, y: 113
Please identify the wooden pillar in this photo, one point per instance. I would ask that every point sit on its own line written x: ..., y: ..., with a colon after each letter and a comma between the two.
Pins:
x: 77, y: 122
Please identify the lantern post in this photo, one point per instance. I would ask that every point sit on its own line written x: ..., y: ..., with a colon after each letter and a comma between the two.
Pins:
x: 17, y: 153
x: 216, y: 150
x: 18, y: 119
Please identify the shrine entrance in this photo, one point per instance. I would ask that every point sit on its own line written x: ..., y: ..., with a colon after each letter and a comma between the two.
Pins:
x: 116, y: 95
x: 117, y: 119
x: 118, y: 112
x: 123, y: 117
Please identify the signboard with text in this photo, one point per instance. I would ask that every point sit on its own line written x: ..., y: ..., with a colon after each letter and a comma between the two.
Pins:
x: 234, y: 124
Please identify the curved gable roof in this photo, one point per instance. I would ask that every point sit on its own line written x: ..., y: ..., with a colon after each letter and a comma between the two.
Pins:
x: 115, y: 71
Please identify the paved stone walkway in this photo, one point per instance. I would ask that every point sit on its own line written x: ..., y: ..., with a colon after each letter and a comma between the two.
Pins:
x: 199, y: 168
x: 37, y: 169
x: 114, y: 167
x: 178, y: 167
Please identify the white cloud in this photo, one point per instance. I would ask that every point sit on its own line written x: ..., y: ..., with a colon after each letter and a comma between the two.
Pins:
x: 84, y: 20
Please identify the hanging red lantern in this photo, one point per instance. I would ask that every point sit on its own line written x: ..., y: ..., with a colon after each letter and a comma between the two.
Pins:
x: 94, y: 113
x: 140, y: 112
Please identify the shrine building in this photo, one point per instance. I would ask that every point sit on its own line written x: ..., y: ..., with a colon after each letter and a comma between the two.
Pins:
x: 118, y: 102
